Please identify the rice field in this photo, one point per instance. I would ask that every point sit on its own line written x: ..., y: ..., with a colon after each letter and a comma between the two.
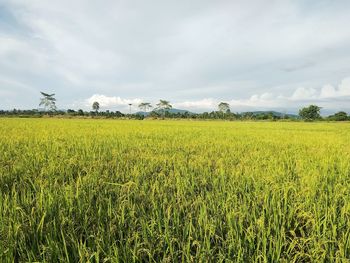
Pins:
x: 174, y: 191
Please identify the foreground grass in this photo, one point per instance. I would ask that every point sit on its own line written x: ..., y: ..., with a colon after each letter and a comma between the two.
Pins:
x: 170, y: 191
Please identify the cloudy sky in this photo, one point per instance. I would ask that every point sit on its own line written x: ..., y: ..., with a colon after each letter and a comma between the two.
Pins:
x: 254, y: 54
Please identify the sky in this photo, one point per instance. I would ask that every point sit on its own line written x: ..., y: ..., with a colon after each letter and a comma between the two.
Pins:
x: 253, y: 54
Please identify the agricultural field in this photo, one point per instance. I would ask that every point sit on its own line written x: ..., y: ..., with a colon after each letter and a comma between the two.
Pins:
x: 174, y: 191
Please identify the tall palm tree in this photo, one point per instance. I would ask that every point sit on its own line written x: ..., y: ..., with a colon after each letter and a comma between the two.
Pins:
x: 48, y: 101
x: 163, y: 106
x: 145, y: 106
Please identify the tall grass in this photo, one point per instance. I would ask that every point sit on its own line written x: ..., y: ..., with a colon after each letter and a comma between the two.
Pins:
x: 173, y: 191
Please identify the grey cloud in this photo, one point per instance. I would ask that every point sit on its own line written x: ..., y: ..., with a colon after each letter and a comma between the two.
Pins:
x: 183, y: 51
x: 295, y: 67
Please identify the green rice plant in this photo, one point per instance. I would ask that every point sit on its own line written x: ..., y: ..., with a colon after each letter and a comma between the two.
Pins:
x: 174, y: 191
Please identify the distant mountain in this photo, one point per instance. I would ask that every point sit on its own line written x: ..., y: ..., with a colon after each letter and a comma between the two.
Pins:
x: 173, y: 111
x: 178, y: 111
x: 274, y: 113
x: 255, y: 113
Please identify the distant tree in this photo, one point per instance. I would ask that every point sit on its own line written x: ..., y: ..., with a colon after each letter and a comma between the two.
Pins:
x: 339, y: 116
x: 310, y: 113
x: 163, y: 106
x: 248, y: 115
x: 48, y: 101
x: 96, y: 106
x: 71, y: 112
x: 145, y: 106
x: 154, y: 114
x: 224, y: 107
x: 118, y: 114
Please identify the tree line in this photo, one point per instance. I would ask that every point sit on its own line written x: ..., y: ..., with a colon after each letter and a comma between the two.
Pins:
x: 163, y: 110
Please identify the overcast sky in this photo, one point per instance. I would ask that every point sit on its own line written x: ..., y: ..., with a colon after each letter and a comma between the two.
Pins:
x: 254, y: 54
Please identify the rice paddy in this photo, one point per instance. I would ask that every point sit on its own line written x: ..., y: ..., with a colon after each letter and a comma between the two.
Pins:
x: 174, y: 191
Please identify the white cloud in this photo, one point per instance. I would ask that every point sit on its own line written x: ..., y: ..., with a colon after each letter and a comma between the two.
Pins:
x: 106, y: 101
x: 324, y: 97
x: 302, y: 93
x: 208, y: 103
x: 301, y: 96
x: 344, y: 87
x: 328, y: 91
x: 267, y: 100
x: 267, y: 96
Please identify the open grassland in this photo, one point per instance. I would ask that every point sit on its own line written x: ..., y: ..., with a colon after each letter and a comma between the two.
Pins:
x: 172, y: 191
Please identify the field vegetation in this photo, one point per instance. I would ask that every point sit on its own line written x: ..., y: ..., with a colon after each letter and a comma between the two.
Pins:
x: 174, y: 191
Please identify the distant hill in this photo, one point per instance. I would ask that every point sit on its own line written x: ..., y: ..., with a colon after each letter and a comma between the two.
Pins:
x: 255, y: 113
x: 275, y: 113
x: 178, y: 111
x: 174, y: 111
